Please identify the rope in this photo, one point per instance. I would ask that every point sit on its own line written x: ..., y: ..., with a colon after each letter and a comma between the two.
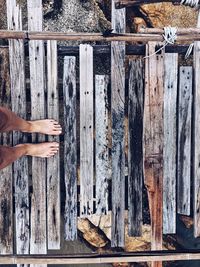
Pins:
x: 170, y: 36
x: 191, y: 3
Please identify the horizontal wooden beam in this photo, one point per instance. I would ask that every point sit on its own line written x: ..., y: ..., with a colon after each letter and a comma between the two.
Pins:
x: 99, y: 259
x: 131, y: 3
x: 182, y: 35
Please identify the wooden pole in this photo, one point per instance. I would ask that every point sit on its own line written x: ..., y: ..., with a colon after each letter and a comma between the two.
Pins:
x: 130, y: 3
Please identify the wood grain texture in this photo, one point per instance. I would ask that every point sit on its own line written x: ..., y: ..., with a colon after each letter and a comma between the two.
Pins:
x: 153, y: 141
x: 103, y: 163
x: 117, y: 104
x: 38, y: 242
x: 6, y: 179
x: 86, y: 130
x: 53, y: 163
x: 170, y: 149
x: 70, y: 147
x: 184, y: 140
x: 18, y: 98
x: 135, y: 150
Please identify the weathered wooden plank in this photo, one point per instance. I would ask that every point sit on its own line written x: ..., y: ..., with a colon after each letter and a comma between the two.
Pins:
x: 86, y: 130
x: 6, y: 200
x: 184, y: 140
x: 38, y: 242
x: 103, y: 163
x: 53, y: 163
x: 153, y: 142
x: 70, y: 147
x: 135, y: 150
x: 169, y: 152
x: 18, y: 98
x: 118, y: 153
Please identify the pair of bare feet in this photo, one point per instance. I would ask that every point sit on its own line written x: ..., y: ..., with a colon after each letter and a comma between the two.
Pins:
x: 43, y: 150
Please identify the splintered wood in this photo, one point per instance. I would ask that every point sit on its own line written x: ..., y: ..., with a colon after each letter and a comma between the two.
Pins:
x: 53, y: 163
x: 86, y: 130
x: 135, y: 155
x: 38, y: 242
x: 70, y: 147
x: 118, y: 150
x: 153, y: 142
x: 103, y: 163
x: 6, y: 199
x: 170, y: 150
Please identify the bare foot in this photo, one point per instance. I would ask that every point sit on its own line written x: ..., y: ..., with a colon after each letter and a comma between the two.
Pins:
x: 50, y: 127
x: 42, y: 150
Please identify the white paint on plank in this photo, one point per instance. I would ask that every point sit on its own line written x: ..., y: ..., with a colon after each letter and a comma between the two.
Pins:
x: 170, y: 149
x: 103, y: 163
x: 86, y: 130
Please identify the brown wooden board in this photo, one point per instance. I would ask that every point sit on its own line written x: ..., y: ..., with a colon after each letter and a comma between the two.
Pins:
x: 153, y: 142
x: 18, y: 98
x: 6, y: 199
x: 70, y: 147
x: 53, y: 163
x: 38, y: 242
x: 184, y: 140
x: 135, y: 150
x: 170, y: 143
x: 86, y: 130
x: 103, y: 163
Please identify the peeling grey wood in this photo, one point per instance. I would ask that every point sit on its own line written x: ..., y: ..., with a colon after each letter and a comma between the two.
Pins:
x: 70, y: 147
x: 18, y: 98
x: 86, y: 130
x: 53, y: 163
x: 135, y: 154
x: 170, y: 150
x: 153, y: 142
x: 38, y: 242
x: 184, y: 140
x: 6, y: 192
x: 103, y: 163
x: 118, y: 153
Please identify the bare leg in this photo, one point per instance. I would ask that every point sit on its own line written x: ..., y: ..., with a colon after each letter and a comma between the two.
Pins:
x: 9, y: 121
x: 9, y: 154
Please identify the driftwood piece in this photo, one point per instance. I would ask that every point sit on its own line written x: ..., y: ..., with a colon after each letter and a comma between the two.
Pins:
x: 18, y: 98
x: 184, y: 140
x: 53, y: 163
x: 6, y: 200
x: 70, y: 147
x: 170, y: 150
x: 118, y: 142
x: 135, y: 154
x: 86, y: 130
x: 153, y: 142
x: 103, y: 163
x: 38, y: 243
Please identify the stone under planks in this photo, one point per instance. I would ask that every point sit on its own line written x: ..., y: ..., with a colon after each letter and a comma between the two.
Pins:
x: 170, y: 143
x: 103, y: 163
x: 86, y: 130
x: 53, y: 163
x: 70, y: 147
x: 135, y: 150
x: 118, y: 138
x: 184, y: 140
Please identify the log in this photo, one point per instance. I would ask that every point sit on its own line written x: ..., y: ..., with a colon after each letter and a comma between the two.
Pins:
x: 6, y: 192
x: 135, y: 150
x: 118, y: 139
x: 170, y: 150
x: 86, y: 130
x: 53, y: 163
x: 131, y: 3
x: 184, y: 140
x: 70, y: 147
x: 38, y: 243
x: 18, y: 98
